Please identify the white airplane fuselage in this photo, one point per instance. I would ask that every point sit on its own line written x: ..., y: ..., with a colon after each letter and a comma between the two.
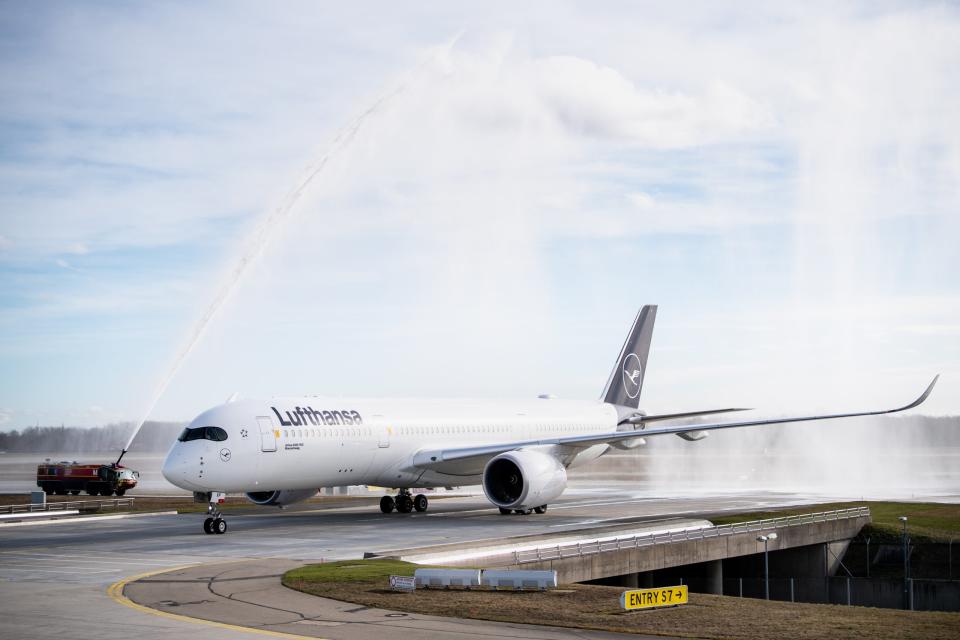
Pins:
x: 312, y: 442
x: 281, y: 451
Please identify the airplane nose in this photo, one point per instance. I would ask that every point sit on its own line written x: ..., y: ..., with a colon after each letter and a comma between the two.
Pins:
x: 174, y: 468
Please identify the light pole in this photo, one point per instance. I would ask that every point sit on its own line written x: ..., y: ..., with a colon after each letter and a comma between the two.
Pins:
x: 906, y: 564
x: 766, y: 561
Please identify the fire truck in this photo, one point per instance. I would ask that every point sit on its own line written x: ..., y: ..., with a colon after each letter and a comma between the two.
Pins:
x: 65, y: 477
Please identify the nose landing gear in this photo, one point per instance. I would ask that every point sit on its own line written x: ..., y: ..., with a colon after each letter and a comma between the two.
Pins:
x: 215, y: 522
x: 404, y: 502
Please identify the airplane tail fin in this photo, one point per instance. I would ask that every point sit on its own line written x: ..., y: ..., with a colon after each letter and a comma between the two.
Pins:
x: 626, y: 379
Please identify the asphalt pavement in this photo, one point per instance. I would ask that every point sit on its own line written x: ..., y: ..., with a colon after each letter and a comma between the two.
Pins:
x: 55, y: 579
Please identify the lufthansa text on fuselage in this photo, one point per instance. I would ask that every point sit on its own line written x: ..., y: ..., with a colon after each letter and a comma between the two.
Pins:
x: 309, y: 415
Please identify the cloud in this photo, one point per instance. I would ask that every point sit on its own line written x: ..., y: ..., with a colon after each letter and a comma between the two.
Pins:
x: 599, y: 101
x: 515, y: 196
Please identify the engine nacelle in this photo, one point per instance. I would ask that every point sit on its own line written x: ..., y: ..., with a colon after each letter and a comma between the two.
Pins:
x: 280, y: 498
x: 523, y: 479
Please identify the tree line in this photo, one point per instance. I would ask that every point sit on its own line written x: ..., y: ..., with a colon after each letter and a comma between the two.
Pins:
x: 153, y: 437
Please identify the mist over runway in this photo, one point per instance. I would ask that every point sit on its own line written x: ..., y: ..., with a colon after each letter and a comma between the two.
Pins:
x: 683, y: 471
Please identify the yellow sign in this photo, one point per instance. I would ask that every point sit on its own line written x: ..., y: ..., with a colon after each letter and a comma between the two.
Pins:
x: 650, y: 598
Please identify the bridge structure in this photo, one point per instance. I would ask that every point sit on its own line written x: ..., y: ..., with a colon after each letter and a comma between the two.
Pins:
x: 657, y: 553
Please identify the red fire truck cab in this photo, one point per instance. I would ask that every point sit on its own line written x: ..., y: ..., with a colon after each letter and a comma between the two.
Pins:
x: 96, y: 479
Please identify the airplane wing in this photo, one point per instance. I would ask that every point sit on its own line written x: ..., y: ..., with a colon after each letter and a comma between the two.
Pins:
x: 642, y: 419
x: 440, y: 459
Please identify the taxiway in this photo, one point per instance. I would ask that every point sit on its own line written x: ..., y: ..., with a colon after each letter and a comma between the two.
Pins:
x: 54, y: 579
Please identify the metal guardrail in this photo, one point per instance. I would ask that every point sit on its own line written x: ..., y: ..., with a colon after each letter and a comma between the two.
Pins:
x: 560, y: 552
x: 80, y: 505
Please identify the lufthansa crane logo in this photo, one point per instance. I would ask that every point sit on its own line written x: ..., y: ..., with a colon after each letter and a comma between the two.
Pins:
x: 632, y: 375
x: 225, y: 455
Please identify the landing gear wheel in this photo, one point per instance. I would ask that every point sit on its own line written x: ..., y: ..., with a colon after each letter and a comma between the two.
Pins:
x: 541, y: 509
x: 404, y: 503
x: 386, y: 504
x: 120, y: 492
x: 106, y: 492
x: 214, y: 522
x: 523, y: 512
x: 420, y: 503
x: 504, y: 511
x: 75, y: 492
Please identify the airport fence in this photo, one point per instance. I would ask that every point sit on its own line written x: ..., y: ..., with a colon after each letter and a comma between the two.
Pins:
x: 888, y: 593
x: 573, y: 550
x: 79, y: 505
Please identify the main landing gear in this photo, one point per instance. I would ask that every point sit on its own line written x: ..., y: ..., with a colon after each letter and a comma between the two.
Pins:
x: 215, y: 522
x: 404, y: 502
x: 523, y: 512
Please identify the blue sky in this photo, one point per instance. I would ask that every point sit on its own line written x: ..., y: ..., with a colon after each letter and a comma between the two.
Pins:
x: 783, y: 181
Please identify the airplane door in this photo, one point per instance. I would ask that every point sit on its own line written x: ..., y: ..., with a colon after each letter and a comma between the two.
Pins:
x: 268, y: 437
x: 383, y: 431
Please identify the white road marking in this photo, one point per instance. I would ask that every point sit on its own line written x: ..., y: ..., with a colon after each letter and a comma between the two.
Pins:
x: 59, y: 571
x: 41, y: 557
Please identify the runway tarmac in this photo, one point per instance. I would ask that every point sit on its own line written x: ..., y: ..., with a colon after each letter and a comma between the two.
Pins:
x: 54, y: 578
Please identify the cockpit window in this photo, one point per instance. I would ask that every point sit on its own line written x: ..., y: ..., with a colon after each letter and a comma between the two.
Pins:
x: 203, y: 433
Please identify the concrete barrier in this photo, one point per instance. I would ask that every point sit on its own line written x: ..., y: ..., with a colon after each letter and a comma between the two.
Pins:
x: 447, y: 578
x: 38, y: 515
x: 519, y: 579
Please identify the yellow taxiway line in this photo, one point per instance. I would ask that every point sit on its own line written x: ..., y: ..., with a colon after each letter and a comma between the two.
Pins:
x: 115, y: 591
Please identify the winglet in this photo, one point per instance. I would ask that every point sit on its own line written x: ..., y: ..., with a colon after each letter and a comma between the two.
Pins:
x: 922, y: 397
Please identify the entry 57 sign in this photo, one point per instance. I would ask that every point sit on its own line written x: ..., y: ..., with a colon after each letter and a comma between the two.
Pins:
x: 650, y: 598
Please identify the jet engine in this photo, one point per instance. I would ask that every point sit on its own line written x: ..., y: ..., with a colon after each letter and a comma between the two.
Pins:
x: 523, y: 479
x: 280, y: 498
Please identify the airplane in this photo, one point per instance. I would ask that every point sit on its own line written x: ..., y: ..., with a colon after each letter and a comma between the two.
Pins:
x: 280, y: 451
